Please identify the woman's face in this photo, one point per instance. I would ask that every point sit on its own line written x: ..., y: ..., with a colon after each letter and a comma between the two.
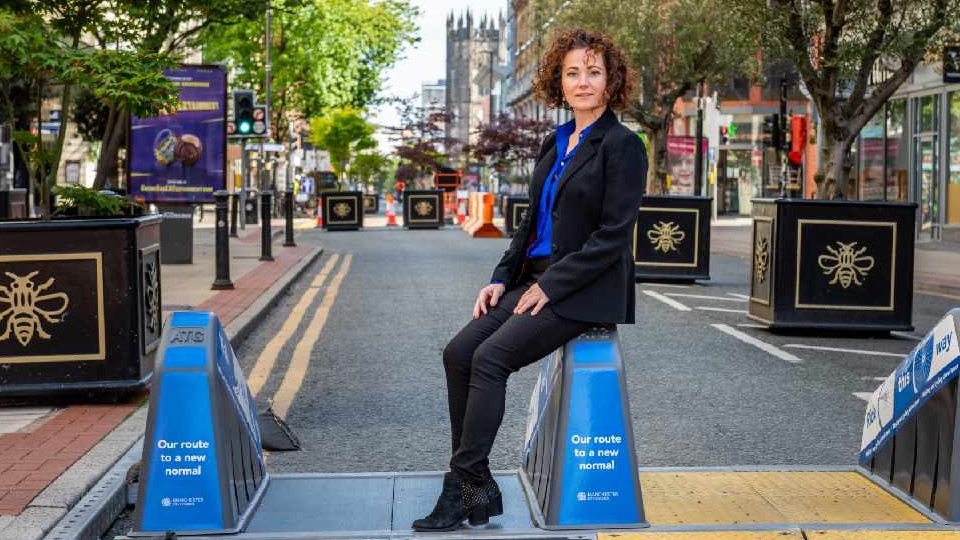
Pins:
x: 584, y: 78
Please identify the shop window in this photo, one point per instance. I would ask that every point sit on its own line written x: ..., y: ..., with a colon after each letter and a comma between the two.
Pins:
x: 928, y: 114
x: 953, y: 177
x: 898, y: 151
x: 871, y: 159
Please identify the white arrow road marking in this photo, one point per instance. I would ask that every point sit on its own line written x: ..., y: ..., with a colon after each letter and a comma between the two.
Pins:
x: 864, y: 395
x: 839, y: 349
x: 762, y: 345
x: 738, y: 295
x: 668, y: 301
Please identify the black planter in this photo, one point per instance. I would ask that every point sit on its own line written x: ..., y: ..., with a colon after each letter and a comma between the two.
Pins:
x: 832, y: 264
x: 423, y: 209
x: 342, y: 210
x: 514, y: 210
x: 91, y: 316
x: 671, y: 240
x: 371, y: 203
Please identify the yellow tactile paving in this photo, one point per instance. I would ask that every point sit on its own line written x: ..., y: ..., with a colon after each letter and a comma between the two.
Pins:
x: 703, y: 535
x: 882, y: 535
x: 691, y: 497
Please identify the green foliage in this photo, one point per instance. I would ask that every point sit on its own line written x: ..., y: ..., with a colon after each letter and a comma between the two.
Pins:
x: 129, y: 81
x: 342, y: 132
x: 83, y: 201
x: 325, y: 53
x: 369, y: 167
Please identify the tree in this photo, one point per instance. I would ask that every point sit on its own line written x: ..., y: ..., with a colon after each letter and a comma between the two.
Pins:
x: 511, y: 142
x: 422, y: 145
x: 342, y: 132
x: 324, y: 54
x: 369, y: 168
x: 838, y: 46
x: 673, y: 44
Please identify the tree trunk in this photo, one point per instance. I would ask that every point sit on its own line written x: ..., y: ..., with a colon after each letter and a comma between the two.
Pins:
x: 657, y: 158
x: 110, y: 148
x: 835, y: 165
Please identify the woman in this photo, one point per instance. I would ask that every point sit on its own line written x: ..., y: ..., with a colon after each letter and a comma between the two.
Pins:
x: 568, y: 268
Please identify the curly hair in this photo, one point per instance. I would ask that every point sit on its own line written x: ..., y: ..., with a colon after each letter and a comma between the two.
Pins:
x: 547, y: 85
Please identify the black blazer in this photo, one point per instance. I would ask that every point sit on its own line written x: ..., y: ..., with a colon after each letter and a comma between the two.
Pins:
x: 591, y: 272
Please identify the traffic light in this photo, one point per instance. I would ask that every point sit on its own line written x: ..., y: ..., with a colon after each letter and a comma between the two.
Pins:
x: 243, y: 111
x: 798, y: 139
x: 771, y: 130
x: 724, y: 131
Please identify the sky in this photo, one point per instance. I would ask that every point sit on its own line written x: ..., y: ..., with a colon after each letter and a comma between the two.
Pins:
x: 426, y: 60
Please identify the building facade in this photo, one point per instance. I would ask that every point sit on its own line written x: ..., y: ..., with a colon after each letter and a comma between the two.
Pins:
x: 474, y: 50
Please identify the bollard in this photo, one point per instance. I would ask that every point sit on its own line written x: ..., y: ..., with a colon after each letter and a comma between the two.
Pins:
x: 222, y: 257
x: 579, y: 464
x: 266, y: 231
x: 288, y: 211
x: 234, y: 213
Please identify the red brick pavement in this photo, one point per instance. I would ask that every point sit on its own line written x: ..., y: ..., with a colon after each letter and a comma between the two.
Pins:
x: 33, y: 458
x: 29, y: 462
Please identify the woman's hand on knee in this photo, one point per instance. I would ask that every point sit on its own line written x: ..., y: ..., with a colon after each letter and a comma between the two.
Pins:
x: 488, y: 297
x: 535, y: 298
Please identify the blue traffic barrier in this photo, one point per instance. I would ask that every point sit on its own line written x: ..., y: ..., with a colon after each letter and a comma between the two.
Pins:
x: 579, y: 464
x: 909, y: 442
x: 202, y: 468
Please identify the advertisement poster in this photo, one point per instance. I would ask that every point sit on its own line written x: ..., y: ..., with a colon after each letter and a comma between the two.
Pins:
x: 180, y: 157
x: 681, y: 162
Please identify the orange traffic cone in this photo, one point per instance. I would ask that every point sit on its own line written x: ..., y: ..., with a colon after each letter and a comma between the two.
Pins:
x: 319, y: 216
x: 391, y: 215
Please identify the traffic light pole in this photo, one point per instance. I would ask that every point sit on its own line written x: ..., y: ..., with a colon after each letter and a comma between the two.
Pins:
x: 698, y: 155
x: 781, y: 153
x: 244, y: 178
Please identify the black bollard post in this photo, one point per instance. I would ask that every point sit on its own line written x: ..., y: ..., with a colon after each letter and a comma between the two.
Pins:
x: 222, y: 243
x: 288, y: 211
x: 234, y: 213
x: 266, y: 231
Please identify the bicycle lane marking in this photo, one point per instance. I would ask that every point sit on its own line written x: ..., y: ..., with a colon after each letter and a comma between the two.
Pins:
x: 762, y: 345
x: 666, y: 300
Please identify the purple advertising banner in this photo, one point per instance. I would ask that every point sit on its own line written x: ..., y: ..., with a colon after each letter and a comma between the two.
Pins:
x: 180, y: 157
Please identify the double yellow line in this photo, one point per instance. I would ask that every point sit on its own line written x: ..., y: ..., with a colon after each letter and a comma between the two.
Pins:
x: 297, y: 369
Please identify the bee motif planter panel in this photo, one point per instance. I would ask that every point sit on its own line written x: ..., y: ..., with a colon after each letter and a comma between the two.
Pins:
x: 833, y: 264
x: 423, y: 209
x: 342, y: 210
x: 672, y: 238
x: 79, y: 304
x: 371, y: 203
x: 515, y: 208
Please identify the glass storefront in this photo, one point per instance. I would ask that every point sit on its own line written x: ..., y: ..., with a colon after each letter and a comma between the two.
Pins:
x: 953, y: 177
x: 927, y: 161
x: 898, y: 152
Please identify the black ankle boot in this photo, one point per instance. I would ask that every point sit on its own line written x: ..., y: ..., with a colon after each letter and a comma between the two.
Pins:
x: 494, y: 499
x: 459, y: 500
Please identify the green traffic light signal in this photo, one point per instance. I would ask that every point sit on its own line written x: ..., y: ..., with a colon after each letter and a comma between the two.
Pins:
x: 244, y: 127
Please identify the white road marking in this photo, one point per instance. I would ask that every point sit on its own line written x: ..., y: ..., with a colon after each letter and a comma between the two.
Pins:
x: 738, y: 295
x: 703, y: 297
x: 724, y: 310
x: 668, y: 301
x: 906, y: 335
x: 840, y: 349
x: 300, y: 361
x: 675, y: 286
x: 864, y: 395
x: 268, y: 358
x: 873, y: 378
x: 762, y: 345
x: 751, y: 325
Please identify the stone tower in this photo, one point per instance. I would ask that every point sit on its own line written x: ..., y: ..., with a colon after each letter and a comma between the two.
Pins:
x: 471, y: 48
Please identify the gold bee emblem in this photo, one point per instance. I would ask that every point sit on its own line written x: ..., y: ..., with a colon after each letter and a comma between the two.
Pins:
x: 846, y: 264
x: 26, y: 309
x: 423, y: 208
x: 341, y: 209
x: 761, y: 258
x: 665, y: 236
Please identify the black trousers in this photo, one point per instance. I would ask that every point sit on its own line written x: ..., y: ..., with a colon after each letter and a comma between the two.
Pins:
x: 478, y: 362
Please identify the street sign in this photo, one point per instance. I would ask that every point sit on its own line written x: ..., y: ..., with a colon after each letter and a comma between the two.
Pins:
x: 266, y: 147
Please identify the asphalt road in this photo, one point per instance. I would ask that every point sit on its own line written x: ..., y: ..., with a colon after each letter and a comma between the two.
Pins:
x: 373, y: 395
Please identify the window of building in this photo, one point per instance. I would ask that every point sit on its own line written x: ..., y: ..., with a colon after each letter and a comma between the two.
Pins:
x: 898, y: 151
x: 953, y: 177
x: 870, y: 156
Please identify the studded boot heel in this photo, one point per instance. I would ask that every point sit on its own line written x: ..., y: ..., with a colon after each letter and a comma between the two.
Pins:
x: 494, y: 499
x: 459, y: 500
